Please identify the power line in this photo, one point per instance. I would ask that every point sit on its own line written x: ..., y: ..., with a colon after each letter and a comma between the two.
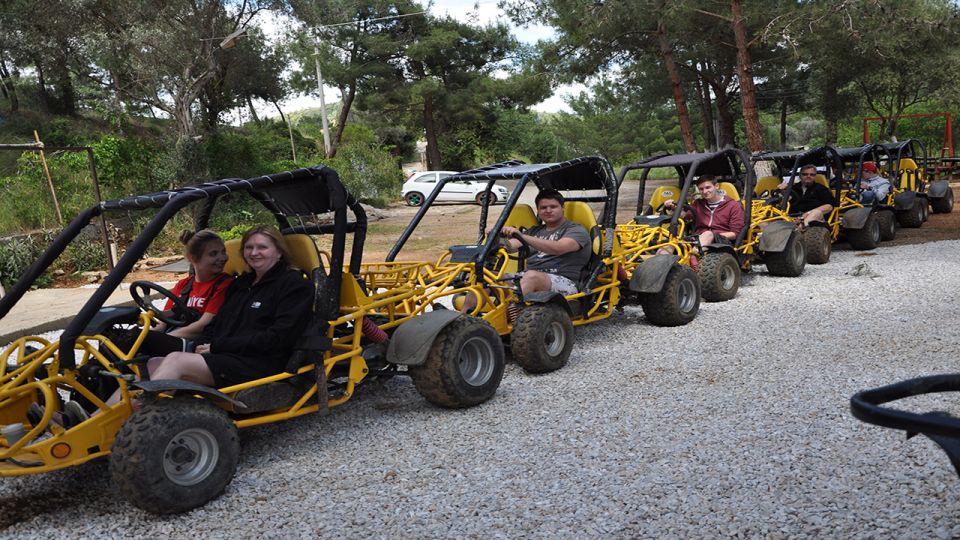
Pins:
x: 387, y: 18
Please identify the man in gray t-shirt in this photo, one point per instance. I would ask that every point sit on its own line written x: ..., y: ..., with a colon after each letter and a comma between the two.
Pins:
x: 560, y: 249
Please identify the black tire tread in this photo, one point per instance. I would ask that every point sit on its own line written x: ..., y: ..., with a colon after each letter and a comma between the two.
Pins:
x: 818, y: 245
x: 888, y: 225
x: 526, y: 340
x: 136, y: 466
x: 783, y: 263
x: 437, y: 381
x: 711, y: 268
x: 862, y: 239
x: 913, y: 217
x: 943, y: 205
x: 661, y: 308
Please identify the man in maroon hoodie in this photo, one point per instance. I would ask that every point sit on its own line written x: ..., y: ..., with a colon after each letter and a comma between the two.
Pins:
x: 716, y: 218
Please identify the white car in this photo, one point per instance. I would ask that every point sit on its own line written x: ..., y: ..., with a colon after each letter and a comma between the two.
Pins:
x: 419, y: 186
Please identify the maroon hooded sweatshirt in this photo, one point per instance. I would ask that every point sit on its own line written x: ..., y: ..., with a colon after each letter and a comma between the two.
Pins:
x: 728, y: 217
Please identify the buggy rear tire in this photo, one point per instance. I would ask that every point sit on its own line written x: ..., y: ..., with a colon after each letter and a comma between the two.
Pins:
x: 866, y: 238
x: 414, y: 198
x: 791, y: 261
x: 926, y: 209
x: 174, y: 454
x: 913, y: 217
x: 719, y: 276
x: 464, y: 366
x: 888, y: 225
x: 542, y: 338
x: 943, y: 205
x: 678, y: 301
x: 818, y: 244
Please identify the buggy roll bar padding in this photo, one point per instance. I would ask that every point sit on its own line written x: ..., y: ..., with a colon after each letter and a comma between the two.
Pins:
x: 865, y: 406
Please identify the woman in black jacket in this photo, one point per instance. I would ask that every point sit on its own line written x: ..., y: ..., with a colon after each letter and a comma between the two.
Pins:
x: 253, y: 335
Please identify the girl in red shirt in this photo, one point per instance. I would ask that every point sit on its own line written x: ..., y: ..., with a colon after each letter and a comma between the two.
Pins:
x: 203, y: 292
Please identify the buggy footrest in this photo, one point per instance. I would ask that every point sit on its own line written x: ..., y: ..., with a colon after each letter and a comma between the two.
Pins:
x: 276, y: 395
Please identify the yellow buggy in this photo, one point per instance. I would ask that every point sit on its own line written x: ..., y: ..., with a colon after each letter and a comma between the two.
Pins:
x: 172, y: 444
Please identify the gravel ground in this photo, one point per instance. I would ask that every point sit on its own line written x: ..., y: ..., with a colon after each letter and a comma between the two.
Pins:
x: 737, y: 424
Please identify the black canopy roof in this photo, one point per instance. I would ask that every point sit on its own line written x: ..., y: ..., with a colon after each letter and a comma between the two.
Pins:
x: 582, y: 173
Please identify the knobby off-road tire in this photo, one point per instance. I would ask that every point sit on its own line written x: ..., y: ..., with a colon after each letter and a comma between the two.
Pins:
x: 678, y: 301
x: 866, y: 238
x: 464, y: 366
x: 926, y: 210
x: 542, y: 338
x: 913, y: 217
x: 791, y: 261
x: 719, y: 276
x: 818, y: 244
x: 943, y: 205
x: 888, y: 225
x: 174, y: 455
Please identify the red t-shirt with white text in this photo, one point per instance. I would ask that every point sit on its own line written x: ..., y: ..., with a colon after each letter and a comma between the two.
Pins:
x: 206, y: 296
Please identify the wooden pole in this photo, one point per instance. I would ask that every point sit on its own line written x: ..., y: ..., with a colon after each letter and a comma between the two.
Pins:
x: 46, y: 169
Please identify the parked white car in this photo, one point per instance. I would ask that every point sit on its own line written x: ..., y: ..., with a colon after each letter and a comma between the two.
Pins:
x: 420, y: 185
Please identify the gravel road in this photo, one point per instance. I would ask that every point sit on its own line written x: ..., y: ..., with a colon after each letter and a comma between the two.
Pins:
x: 737, y: 424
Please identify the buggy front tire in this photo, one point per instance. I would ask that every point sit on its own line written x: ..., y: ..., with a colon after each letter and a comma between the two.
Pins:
x: 719, y: 276
x: 818, y: 244
x: 464, y: 366
x: 913, y: 217
x: 888, y: 225
x: 943, y: 205
x: 867, y: 237
x: 791, y: 261
x: 678, y: 301
x: 542, y: 338
x: 174, y: 455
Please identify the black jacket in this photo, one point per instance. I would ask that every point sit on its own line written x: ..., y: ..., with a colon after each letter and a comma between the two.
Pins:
x: 817, y: 195
x: 260, y: 323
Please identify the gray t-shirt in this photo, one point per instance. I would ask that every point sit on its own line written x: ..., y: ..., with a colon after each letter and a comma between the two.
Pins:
x: 567, y: 265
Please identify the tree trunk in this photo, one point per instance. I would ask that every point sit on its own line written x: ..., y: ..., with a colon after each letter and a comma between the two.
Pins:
x: 745, y: 73
x: 253, y: 112
x: 727, y: 136
x: 783, y: 125
x: 706, y: 112
x: 667, y: 53
x: 348, y: 98
x: 45, y: 97
x: 68, y: 96
x: 9, y: 85
x: 433, y: 150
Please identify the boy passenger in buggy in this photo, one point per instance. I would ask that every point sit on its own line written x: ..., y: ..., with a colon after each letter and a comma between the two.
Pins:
x: 717, y: 219
x: 560, y: 249
x: 263, y: 315
x: 875, y: 187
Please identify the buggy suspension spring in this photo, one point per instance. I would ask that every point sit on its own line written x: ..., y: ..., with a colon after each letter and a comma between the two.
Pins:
x: 373, y: 332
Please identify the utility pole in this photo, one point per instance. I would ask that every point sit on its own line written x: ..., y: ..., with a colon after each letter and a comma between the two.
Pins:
x: 323, y: 103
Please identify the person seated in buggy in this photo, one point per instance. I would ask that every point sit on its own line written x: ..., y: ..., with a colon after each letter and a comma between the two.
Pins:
x: 203, y: 292
x: 812, y: 200
x: 717, y: 218
x: 559, y: 250
x: 263, y: 314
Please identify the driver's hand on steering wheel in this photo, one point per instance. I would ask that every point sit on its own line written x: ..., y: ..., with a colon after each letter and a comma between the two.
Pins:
x: 669, y: 204
x: 202, y: 348
x: 509, y: 231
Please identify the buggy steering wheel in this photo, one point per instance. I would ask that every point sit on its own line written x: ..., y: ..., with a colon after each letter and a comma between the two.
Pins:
x: 523, y: 252
x: 181, y: 315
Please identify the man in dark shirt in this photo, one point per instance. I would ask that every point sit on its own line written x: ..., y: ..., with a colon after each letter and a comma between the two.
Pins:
x: 811, y: 199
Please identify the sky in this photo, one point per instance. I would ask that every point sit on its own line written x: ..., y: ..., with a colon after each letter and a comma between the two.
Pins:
x: 472, y: 11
